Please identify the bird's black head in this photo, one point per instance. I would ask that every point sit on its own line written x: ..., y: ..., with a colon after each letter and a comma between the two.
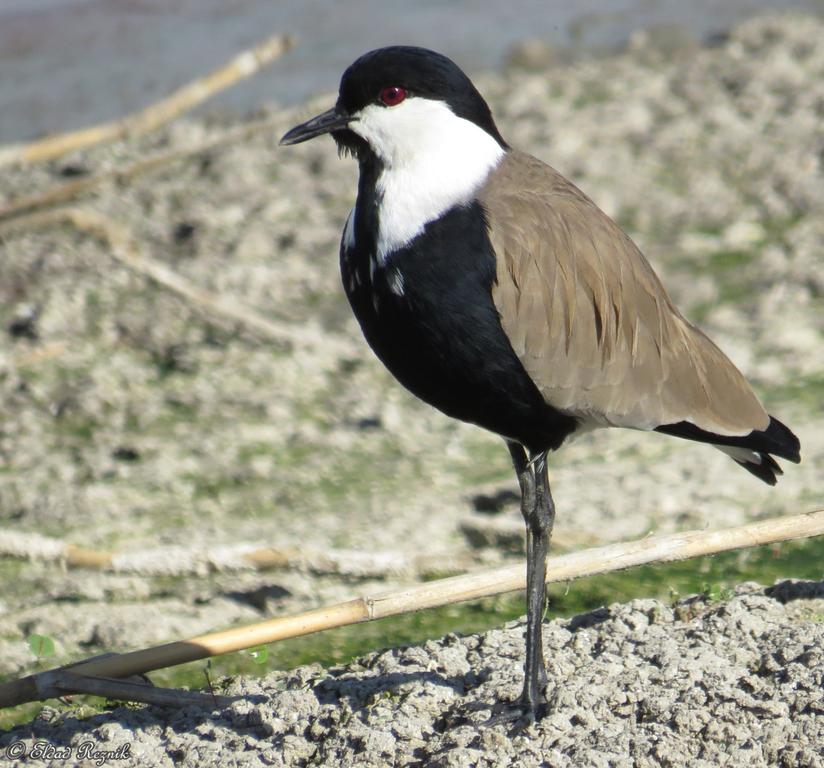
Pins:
x: 391, y: 93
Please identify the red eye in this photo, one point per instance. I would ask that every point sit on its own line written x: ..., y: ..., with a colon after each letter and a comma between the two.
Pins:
x: 392, y: 95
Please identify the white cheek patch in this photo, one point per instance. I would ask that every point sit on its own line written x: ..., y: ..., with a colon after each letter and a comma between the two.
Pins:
x: 432, y: 161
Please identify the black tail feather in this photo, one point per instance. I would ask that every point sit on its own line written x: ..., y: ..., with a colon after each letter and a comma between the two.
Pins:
x: 768, y: 470
x: 775, y: 439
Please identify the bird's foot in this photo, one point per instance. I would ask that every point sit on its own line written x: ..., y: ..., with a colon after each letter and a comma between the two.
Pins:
x: 519, y: 714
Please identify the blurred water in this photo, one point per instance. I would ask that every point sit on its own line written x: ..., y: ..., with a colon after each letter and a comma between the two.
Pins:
x: 69, y: 63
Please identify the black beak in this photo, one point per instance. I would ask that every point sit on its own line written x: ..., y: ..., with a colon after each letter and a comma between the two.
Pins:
x: 331, y: 120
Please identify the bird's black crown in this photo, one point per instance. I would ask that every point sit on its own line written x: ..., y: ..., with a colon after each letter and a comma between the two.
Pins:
x: 420, y: 72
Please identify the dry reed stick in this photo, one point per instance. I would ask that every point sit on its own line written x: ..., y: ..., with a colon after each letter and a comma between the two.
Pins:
x: 72, y: 189
x: 184, y: 99
x: 126, y: 250
x: 658, y: 549
x: 61, y: 682
x: 179, y: 561
x: 38, y: 355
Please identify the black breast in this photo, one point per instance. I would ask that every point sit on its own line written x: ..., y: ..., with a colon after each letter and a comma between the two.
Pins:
x: 428, y: 314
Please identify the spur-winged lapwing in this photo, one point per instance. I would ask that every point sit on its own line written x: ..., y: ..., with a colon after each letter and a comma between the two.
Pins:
x: 498, y: 292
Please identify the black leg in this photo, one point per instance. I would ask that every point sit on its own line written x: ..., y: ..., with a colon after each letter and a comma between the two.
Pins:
x: 539, y: 515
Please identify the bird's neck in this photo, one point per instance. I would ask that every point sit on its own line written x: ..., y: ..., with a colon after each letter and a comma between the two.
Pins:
x: 398, y: 196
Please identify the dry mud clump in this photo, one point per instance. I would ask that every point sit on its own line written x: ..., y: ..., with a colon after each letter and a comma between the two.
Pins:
x: 735, y: 683
x: 130, y: 420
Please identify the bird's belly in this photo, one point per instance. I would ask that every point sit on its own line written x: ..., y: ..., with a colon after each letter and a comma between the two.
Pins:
x: 463, y: 366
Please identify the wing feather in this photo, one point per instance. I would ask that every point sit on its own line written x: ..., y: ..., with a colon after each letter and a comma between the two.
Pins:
x: 589, y: 319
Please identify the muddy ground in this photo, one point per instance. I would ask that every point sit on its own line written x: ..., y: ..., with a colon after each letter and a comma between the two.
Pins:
x: 132, y: 420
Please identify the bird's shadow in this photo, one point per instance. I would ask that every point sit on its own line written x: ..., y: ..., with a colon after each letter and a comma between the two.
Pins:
x: 462, y: 710
x: 359, y: 692
x: 791, y: 589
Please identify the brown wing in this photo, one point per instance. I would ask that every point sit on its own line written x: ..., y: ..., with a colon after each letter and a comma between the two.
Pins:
x: 589, y: 319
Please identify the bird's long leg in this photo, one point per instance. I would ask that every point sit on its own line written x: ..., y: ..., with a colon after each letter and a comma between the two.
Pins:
x: 538, y: 510
x: 539, y: 514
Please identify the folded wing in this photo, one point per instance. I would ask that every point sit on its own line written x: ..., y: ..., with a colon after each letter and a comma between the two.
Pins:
x: 591, y: 322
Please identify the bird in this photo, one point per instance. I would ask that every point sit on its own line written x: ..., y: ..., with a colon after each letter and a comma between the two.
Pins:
x: 496, y: 291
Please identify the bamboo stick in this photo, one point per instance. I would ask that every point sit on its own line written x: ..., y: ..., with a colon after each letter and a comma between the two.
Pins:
x: 658, y: 549
x: 184, y: 99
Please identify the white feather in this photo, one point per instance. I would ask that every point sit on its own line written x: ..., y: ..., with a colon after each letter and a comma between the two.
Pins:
x: 432, y: 161
x: 396, y: 283
x: 740, y: 454
x: 349, y: 231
